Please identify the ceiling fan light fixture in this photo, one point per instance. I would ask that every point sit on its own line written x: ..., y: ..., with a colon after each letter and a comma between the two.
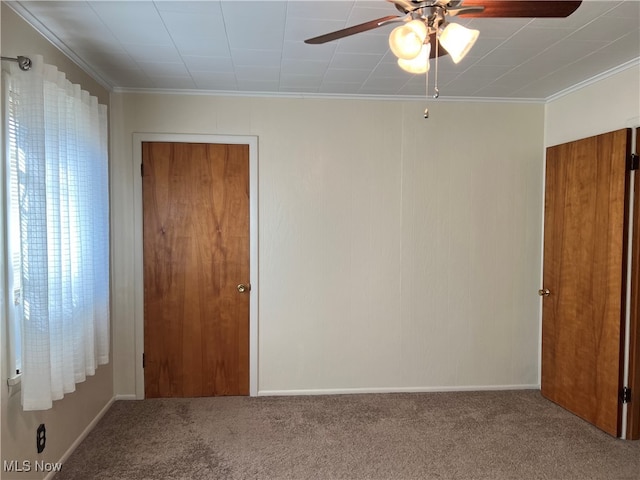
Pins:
x: 419, y: 64
x: 406, y: 40
x: 458, y: 40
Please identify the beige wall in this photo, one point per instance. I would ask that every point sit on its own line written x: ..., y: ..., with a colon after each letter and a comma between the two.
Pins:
x: 69, y: 417
x: 395, y: 253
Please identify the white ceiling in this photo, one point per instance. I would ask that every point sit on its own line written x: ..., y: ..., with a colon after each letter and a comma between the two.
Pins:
x: 257, y: 47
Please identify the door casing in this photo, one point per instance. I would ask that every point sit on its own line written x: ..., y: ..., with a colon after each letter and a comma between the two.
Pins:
x: 252, y: 142
x: 631, y: 411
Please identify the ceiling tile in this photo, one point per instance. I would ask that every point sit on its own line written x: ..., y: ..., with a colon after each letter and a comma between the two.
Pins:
x: 203, y: 46
x: 208, y: 64
x: 215, y: 81
x: 300, y: 81
x: 256, y: 58
x: 304, y: 67
x: 625, y: 10
x: 146, y: 53
x: 205, y: 8
x: 141, y: 23
x: 570, y: 50
x: 341, y: 75
x: 249, y: 73
x: 606, y: 29
x: 509, y: 57
x: 544, y: 87
x: 255, y: 25
x: 258, y: 46
x: 165, y: 69
x: 319, y: 10
x: 512, y: 81
x: 532, y: 37
x: 198, y: 33
x: 366, y: 11
x: 484, y: 73
x: 185, y: 23
x: 607, y: 57
x: 355, y: 61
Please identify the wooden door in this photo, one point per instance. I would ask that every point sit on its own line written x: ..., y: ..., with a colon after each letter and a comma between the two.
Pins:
x: 584, y: 273
x: 196, y: 253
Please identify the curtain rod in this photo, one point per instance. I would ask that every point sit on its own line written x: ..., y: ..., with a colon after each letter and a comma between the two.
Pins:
x: 23, y: 62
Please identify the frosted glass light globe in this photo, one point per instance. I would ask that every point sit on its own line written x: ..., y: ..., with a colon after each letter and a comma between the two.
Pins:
x: 406, y: 40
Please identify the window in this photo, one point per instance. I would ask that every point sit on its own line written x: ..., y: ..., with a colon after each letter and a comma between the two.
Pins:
x: 57, y: 225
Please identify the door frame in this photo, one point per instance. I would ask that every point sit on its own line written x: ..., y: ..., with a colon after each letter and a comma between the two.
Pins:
x: 138, y: 276
x: 631, y: 411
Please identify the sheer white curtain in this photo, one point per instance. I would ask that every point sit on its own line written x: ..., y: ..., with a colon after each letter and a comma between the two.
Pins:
x: 61, y: 162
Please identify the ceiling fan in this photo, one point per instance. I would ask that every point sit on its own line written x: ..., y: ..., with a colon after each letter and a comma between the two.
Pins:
x: 426, y: 31
x: 434, y: 15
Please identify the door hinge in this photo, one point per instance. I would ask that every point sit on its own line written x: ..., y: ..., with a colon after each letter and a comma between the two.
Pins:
x: 142, y: 169
x: 634, y: 162
x: 625, y: 395
x: 143, y: 362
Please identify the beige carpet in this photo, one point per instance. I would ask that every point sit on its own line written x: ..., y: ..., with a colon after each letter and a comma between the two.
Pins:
x: 478, y: 435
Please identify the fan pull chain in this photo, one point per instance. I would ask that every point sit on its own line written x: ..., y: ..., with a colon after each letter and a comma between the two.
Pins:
x: 426, y: 110
x: 436, y: 92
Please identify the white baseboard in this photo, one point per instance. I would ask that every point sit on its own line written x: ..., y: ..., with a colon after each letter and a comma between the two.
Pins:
x: 355, y: 391
x: 82, y: 436
x: 131, y: 396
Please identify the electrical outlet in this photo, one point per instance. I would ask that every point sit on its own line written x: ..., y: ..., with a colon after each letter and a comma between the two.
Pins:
x: 41, y: 438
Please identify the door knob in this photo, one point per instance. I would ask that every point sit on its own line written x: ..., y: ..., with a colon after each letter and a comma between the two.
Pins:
x: 544, y: 292
x: 243, y: 288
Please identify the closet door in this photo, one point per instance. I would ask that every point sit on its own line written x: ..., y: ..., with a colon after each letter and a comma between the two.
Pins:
x: 196, y: 269
x: 584, y: 279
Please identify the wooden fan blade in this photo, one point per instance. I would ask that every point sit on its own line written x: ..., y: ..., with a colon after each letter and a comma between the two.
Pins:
x: 521, y: 8
x: 345, y: 32
x: 464, y: 11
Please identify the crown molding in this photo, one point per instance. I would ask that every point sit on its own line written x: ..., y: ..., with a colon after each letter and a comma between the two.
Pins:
x: 326, y: 96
